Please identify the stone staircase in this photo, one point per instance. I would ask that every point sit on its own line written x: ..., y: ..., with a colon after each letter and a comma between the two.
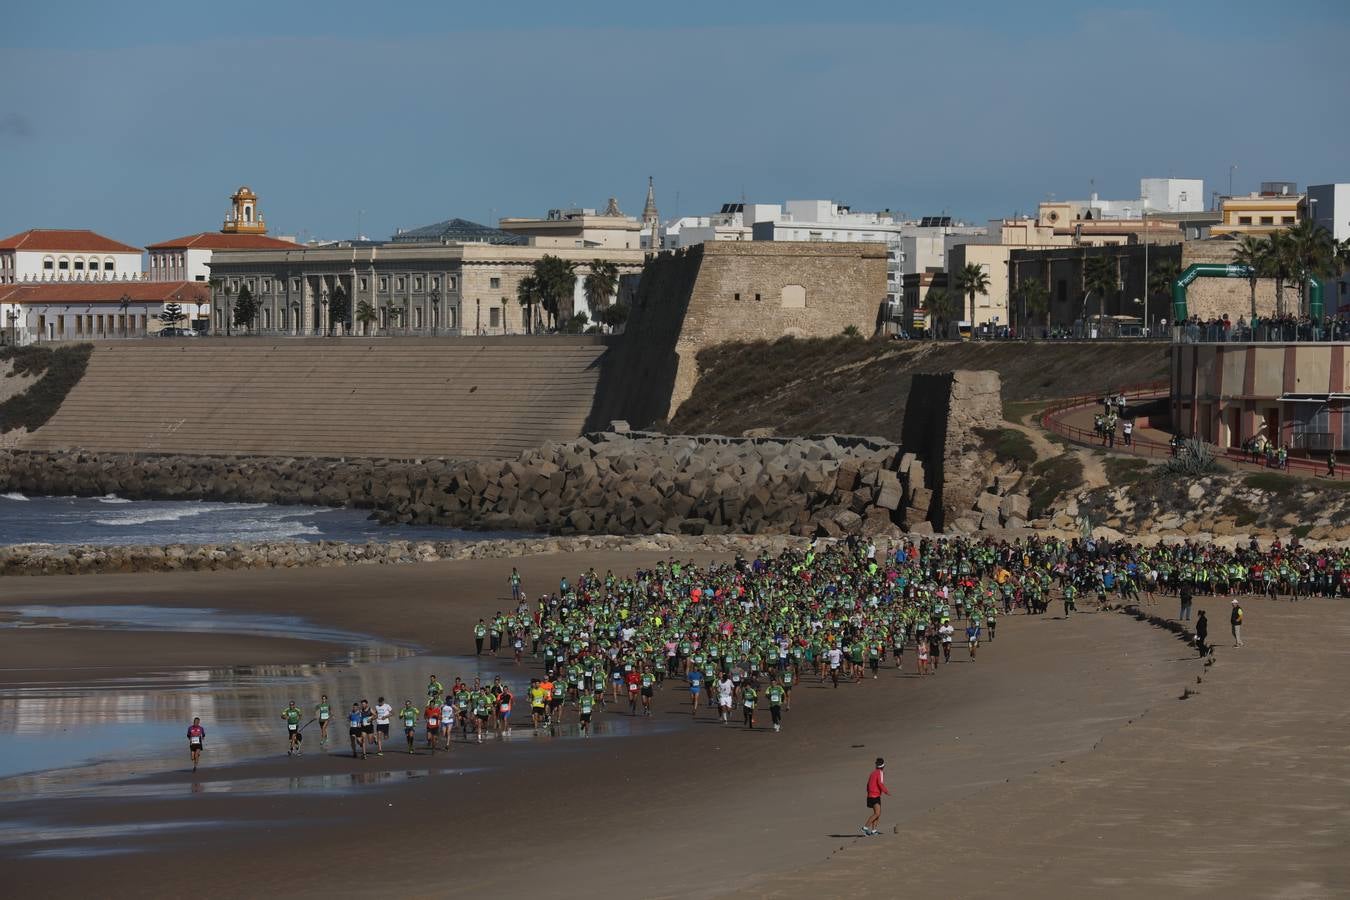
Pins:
x: 398, y: 398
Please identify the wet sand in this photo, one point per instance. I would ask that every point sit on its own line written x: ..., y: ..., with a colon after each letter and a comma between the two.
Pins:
x: 698, y: 810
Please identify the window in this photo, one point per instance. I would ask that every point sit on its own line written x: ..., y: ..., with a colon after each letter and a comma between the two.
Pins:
x: 201, y: 277
x: 64, y: 264
x: 295, y: 284
x: 736, y: 297
x: 450, y: 283
x: 1267, y: 220
x: 494, y: 283
x: 417, y: 283
x: 402, y: 283
x: 365, y: 283
x: 108, y: 265
x: 1244, y: 220
x: 79, y: 265
x: 1287, y: 220
x: 234, y: 285
x: 1312, y: 424
x: 48, y: 264
x: 384, y: 283
x: 267, y: 285
x: 435, y: 282
x: 493, y: 317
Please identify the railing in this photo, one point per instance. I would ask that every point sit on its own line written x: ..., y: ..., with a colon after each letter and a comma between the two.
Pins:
x: 1281, y: 333
x: 1139, y: 445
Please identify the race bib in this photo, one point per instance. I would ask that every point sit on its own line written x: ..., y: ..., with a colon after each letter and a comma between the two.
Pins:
x: 293, y: 727
x: 323, y: 717
x: 431, y: 723
x: 196, y: 742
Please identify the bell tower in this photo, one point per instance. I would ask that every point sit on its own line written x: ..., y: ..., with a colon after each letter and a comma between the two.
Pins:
x: 244, y: 217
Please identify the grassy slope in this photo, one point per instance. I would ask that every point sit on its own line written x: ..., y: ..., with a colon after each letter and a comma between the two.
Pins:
x: 854, y: 386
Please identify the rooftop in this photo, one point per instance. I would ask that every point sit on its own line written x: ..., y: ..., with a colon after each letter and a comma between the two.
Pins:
x: 60, y: 292
x: 456, y: 231
x: 215, y: 240
x: 71, y: 240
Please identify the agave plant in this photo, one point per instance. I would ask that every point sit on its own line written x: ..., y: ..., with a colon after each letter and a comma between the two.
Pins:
x: 1193, y: 459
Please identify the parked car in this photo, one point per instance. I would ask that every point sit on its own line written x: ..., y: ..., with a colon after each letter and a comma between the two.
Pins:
x: 176, y: 332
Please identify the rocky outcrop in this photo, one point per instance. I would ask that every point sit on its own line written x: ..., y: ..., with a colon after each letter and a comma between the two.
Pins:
x: 942, y: 415
x: 46, y: 559
x: 605, y: 483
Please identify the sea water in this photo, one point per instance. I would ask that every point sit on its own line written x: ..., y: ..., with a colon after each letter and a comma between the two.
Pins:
x: 113, y: 520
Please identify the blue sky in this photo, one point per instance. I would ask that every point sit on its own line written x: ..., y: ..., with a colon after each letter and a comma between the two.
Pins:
x: 139, y: 119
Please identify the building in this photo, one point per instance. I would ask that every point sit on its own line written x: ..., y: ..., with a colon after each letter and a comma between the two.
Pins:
x: 188, y: 258
x: 1156, y: 195
x: 93, y: 310
x: 1278, y: 205
x: 244, y: 216
x: 66, y: 254
x: 454, y: 277
x: 1329, y: 206
x: 722, y: 291
x: 917, y: 286
x: 579, y: 228
x: 1063, y: 271
x: 1293, y: 394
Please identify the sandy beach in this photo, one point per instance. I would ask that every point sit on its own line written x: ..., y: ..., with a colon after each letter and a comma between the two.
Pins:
x: 1062, y: 761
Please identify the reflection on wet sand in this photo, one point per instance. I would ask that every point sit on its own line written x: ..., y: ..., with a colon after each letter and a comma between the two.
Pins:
x: 103, y: 737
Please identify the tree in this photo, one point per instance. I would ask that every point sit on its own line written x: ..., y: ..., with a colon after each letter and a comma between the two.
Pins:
x: 557, y: 280
x: 1160, y: 282
x: 1278, y: 263
x: 942, y: 306
x: 1251, y: 252
x: 613, y: 315
x: 527, y: 294
x: 576, y: 323
x: 1099, y: 277
x: 339, y: 309
x: 1035, y: 300
x: 366, y: 315
x: 600, y: 284
x: 1312, y: 251
x: 172, y: 315
x: 245, y: 308
x: 972, y: 280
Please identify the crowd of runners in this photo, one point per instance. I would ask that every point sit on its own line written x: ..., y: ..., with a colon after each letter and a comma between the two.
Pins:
x: 735, y: 638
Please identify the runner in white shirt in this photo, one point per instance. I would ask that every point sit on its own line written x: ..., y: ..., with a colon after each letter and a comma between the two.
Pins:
x: 382, y: 713
x: 946, y: 632
x: 725, y: 689
x: 835, y: 657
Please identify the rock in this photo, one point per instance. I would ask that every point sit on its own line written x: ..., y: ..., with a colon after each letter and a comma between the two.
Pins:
x: 1015, y: 506
x: 987, y: 504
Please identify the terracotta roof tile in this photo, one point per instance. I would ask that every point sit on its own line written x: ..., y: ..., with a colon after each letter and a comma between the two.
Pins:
x: 215, y: 240
x: 106, y: 292
x: 71, y: 240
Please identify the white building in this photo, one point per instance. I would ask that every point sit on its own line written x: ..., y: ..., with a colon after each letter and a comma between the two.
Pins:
x: 94, y: 310
x: 1329, y: 206
x: 1156, y: 195
x: 66, y: 254
x: 188, y: 258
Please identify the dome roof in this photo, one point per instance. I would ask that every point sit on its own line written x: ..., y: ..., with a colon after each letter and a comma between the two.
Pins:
x: 244, y: 192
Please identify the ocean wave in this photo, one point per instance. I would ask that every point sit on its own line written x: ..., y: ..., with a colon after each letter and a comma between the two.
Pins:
x: 113, y: 498
x: 173, y: 515
x: 14, y: 496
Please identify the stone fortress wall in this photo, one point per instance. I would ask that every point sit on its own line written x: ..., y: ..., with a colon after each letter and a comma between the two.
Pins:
x: 732, y: 291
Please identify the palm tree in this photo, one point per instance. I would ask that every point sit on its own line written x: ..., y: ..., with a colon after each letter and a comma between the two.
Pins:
x: 1279, y: 264
x: 1099, y: 276
x: 527, y: 294
x: 557, y: 279
x: 1160, y: 280
x: 366, y: 315
x: 1313, y: 252
x: 1035, y: 299
x: 600, y: 284
x: 942, y: 306
x: 970, y: 281
x: 1251, y: 252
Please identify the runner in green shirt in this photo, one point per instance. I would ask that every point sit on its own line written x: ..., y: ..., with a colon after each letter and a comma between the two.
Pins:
x: 776, y: 695
x: 408, y: 716
x: 292, y: 716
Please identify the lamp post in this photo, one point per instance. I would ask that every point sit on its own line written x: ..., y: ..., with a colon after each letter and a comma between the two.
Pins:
x: 125, y: 303
x: 434, y: 310
x: 478, y: 318
x: 324, y: 325
x: 13, y: 317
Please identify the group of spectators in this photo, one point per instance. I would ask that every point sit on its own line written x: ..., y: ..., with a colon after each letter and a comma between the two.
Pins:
x: 1285, y: 327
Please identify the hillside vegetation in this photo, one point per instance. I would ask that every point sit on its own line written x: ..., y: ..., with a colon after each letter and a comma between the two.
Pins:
x: 848, y: 385
x: 49, y: 375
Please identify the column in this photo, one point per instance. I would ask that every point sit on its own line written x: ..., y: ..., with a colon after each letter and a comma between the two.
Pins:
x: 306, y: 305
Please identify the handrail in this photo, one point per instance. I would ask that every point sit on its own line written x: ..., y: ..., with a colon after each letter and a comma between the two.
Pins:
x: 1143, y: 446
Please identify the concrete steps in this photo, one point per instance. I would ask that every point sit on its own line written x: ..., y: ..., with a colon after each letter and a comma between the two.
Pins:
x: 323, y: 397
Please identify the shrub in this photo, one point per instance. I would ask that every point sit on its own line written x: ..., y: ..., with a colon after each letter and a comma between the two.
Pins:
x: 852, y: 331
x: 61, y: 369
x: 1196, y: 459
x: 1052, y: 477
x: 1008, y: 445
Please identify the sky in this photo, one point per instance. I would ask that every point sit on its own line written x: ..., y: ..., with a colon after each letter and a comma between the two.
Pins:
x: 139, y: 119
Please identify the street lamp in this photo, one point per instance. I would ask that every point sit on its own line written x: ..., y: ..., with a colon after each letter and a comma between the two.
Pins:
x: 13, y: 317
x: 125, y: 303
x: 324, y: 324
x: 434, y: 313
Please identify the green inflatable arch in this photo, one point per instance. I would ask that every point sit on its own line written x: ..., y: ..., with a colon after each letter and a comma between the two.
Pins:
x: 1218, y: 270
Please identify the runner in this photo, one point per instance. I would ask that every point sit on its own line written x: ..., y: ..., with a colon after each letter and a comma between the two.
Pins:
x: 356, y: 732
x: 695, y: 688
x: 434, y: 689
x: 504, y: 700
x: 726, y: 688
x: 648, y: 689
x: 776, y: 694
x: 749, y: 697
x: 408, y: 716
x: 367, y: 726
x: 585, y: 705
x: 538, y: 699
x: 382, y: 713
x: 324, y: 711
x: 292, y: 716
x: 434, y: 719
x: 196, y: 736
x: 876, y: 787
